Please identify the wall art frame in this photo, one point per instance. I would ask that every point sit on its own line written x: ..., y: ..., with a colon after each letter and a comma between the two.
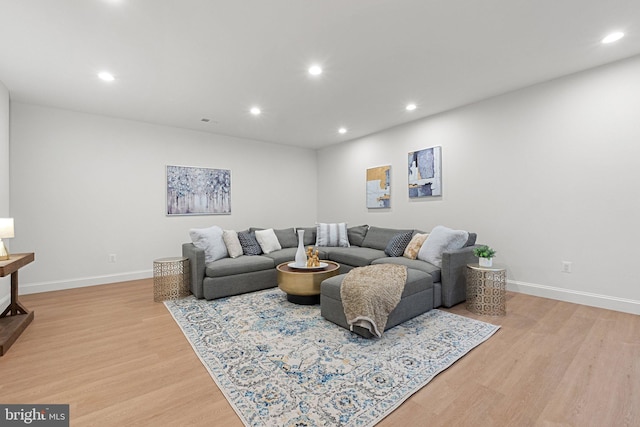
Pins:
x: 198, y: 191
x: 425, y: 172
x: 379, y: 187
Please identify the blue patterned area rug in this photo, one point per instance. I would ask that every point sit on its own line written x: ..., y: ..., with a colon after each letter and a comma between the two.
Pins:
x: 281, y: 364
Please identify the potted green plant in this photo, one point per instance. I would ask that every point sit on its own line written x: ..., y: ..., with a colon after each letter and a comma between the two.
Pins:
x: 485, y: 255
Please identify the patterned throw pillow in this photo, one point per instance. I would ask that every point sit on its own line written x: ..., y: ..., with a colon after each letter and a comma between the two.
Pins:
x: 250, y: 245
x: 332, y: 235
x: 398, y: 243
x: 414, y: 245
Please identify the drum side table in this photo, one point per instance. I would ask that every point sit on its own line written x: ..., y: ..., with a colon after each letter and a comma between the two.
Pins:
x: 486, y: 289
x: 170, y: 278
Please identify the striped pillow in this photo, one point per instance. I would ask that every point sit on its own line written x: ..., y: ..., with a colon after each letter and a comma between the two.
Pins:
x: 334, y: 234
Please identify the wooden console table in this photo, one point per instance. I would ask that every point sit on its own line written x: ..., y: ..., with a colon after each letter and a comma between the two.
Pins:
x: 16, y: 317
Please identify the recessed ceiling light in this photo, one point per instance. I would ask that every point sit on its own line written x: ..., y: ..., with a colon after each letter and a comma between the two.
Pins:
x: 411, y: 107
x: 255, y: 111
x: 613, y: 37
x: 315, y: 70
x: 106, y: 76
x: 342, y: 130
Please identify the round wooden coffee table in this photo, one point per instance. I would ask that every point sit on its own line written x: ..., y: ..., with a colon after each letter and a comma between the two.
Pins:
x: 303, y: 286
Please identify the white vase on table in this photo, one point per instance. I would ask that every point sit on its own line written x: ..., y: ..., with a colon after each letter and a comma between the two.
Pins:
x: 301, y: 255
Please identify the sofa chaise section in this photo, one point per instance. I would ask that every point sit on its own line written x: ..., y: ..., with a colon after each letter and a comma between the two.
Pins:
x: 416, y: 298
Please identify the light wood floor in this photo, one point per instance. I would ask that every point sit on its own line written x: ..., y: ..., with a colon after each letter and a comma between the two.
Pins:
x: 119, y: 359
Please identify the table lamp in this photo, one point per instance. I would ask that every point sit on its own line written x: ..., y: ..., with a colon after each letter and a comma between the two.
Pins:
x: 6, y: 232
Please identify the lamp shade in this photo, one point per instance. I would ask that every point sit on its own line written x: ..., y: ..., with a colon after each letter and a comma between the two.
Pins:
x: 6, y: 228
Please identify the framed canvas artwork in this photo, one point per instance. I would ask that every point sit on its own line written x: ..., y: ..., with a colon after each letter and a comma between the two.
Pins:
x: 198, y: 191
x: 379, y: 187
x: 425, y: 174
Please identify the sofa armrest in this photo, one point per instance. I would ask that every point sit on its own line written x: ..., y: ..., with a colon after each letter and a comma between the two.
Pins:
x: 197, y: 265
x: 454, y: 284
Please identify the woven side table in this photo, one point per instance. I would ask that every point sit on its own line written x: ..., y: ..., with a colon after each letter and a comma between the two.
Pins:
x: 170, y: 278
x: 486, y: 290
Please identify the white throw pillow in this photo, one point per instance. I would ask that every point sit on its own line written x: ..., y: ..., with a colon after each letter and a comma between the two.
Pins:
x: 268, y: 240
x: 441, y: 239
x: 332, y: 234
x: 209, y: 239
x: 231, y: 241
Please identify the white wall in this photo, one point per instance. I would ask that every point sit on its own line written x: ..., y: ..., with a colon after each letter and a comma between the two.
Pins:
x: 85, y: 186
x: 544, y: 175
x: 5, y: 282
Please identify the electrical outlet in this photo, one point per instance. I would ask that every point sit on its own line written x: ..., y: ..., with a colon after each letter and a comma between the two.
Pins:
x: 566, y: 266
x: 112, y: 257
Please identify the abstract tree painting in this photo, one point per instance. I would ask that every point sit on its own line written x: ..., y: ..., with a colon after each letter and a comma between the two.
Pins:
x: 425, y: 175
x: 378, y: 187
x: 198, y: 191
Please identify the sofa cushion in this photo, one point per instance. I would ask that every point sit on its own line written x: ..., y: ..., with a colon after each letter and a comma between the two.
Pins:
x: 287, y: 237
x: 267, y: 240
x: 472, y: 239
x: 412, y: 249
x: 354, y: 255
x: 378, y: 238
x: 210, y: 240
x: 243, y: 264
x: 309, y: 235
x: 441, y: 239
x: 231, y: 241
x: 398, y: 243
x: 283, y: 255
x: 356, y: 234
x: 414, y: 264
x: 332, y: 234
x: 250, y: 245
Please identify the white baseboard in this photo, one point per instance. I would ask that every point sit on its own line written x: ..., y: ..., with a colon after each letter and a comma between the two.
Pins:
x: 577, y: 297
x: 568, y: 295
x: 34, y: 288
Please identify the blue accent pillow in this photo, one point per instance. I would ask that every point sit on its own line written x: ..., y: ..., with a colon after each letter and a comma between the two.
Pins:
x: 249, y: 243
x: 398, y: 244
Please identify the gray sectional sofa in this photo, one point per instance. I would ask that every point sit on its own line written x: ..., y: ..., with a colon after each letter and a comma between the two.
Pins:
x: 233, y: 276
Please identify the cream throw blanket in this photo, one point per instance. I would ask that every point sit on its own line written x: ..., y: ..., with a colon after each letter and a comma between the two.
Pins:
x: 370, y: 293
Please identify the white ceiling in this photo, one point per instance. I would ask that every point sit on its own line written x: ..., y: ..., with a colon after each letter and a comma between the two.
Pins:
x: 178, y: 61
